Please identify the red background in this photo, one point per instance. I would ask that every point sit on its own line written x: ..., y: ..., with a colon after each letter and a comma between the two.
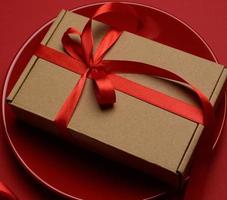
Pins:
x: 20, y: 18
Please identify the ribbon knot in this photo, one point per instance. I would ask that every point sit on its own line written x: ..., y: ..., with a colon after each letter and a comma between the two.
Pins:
x: 97, y: 73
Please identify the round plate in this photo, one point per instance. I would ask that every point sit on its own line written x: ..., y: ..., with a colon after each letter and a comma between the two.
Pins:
x: 73, y: 172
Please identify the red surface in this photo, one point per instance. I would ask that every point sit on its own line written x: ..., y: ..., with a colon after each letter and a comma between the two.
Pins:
x: 208, y: 19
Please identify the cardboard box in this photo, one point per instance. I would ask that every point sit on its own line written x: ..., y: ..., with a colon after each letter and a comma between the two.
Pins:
x: 134, y: 132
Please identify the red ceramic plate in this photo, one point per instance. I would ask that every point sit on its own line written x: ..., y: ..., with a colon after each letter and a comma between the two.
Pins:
x: 73, y: 172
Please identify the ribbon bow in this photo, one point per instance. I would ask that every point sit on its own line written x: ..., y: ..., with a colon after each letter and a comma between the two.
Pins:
x: 80, y: 60
x: 92, y: 67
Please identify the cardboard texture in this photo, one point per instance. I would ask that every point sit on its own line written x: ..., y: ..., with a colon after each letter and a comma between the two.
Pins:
x: 133, y: 132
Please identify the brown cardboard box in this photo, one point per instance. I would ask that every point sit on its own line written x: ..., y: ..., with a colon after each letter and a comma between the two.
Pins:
x: 134, y: 132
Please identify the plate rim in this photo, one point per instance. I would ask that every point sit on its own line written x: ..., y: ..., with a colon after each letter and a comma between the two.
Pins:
x: 18, y: 54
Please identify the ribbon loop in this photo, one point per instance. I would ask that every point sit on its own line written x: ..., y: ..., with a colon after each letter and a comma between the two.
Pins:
x: 72, y: 47
x: 104, y: 91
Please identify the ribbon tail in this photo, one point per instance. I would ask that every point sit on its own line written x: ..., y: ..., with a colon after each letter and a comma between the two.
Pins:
x: 64, y: 115
x: 5, y: 193
x: 109, y: 39
x: 142, y: 68
x: 157, y: 98
x: 104, y: 92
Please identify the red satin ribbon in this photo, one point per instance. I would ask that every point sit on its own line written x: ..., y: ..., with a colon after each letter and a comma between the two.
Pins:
x: 80, y: 60
x: 5, y: 193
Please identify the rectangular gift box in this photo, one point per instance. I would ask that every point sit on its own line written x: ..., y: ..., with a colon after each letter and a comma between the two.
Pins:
x: 142, y: 135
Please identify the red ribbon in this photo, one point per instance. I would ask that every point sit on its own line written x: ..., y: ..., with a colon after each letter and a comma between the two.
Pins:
x: 5, y: 193
x: 80, y: 60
